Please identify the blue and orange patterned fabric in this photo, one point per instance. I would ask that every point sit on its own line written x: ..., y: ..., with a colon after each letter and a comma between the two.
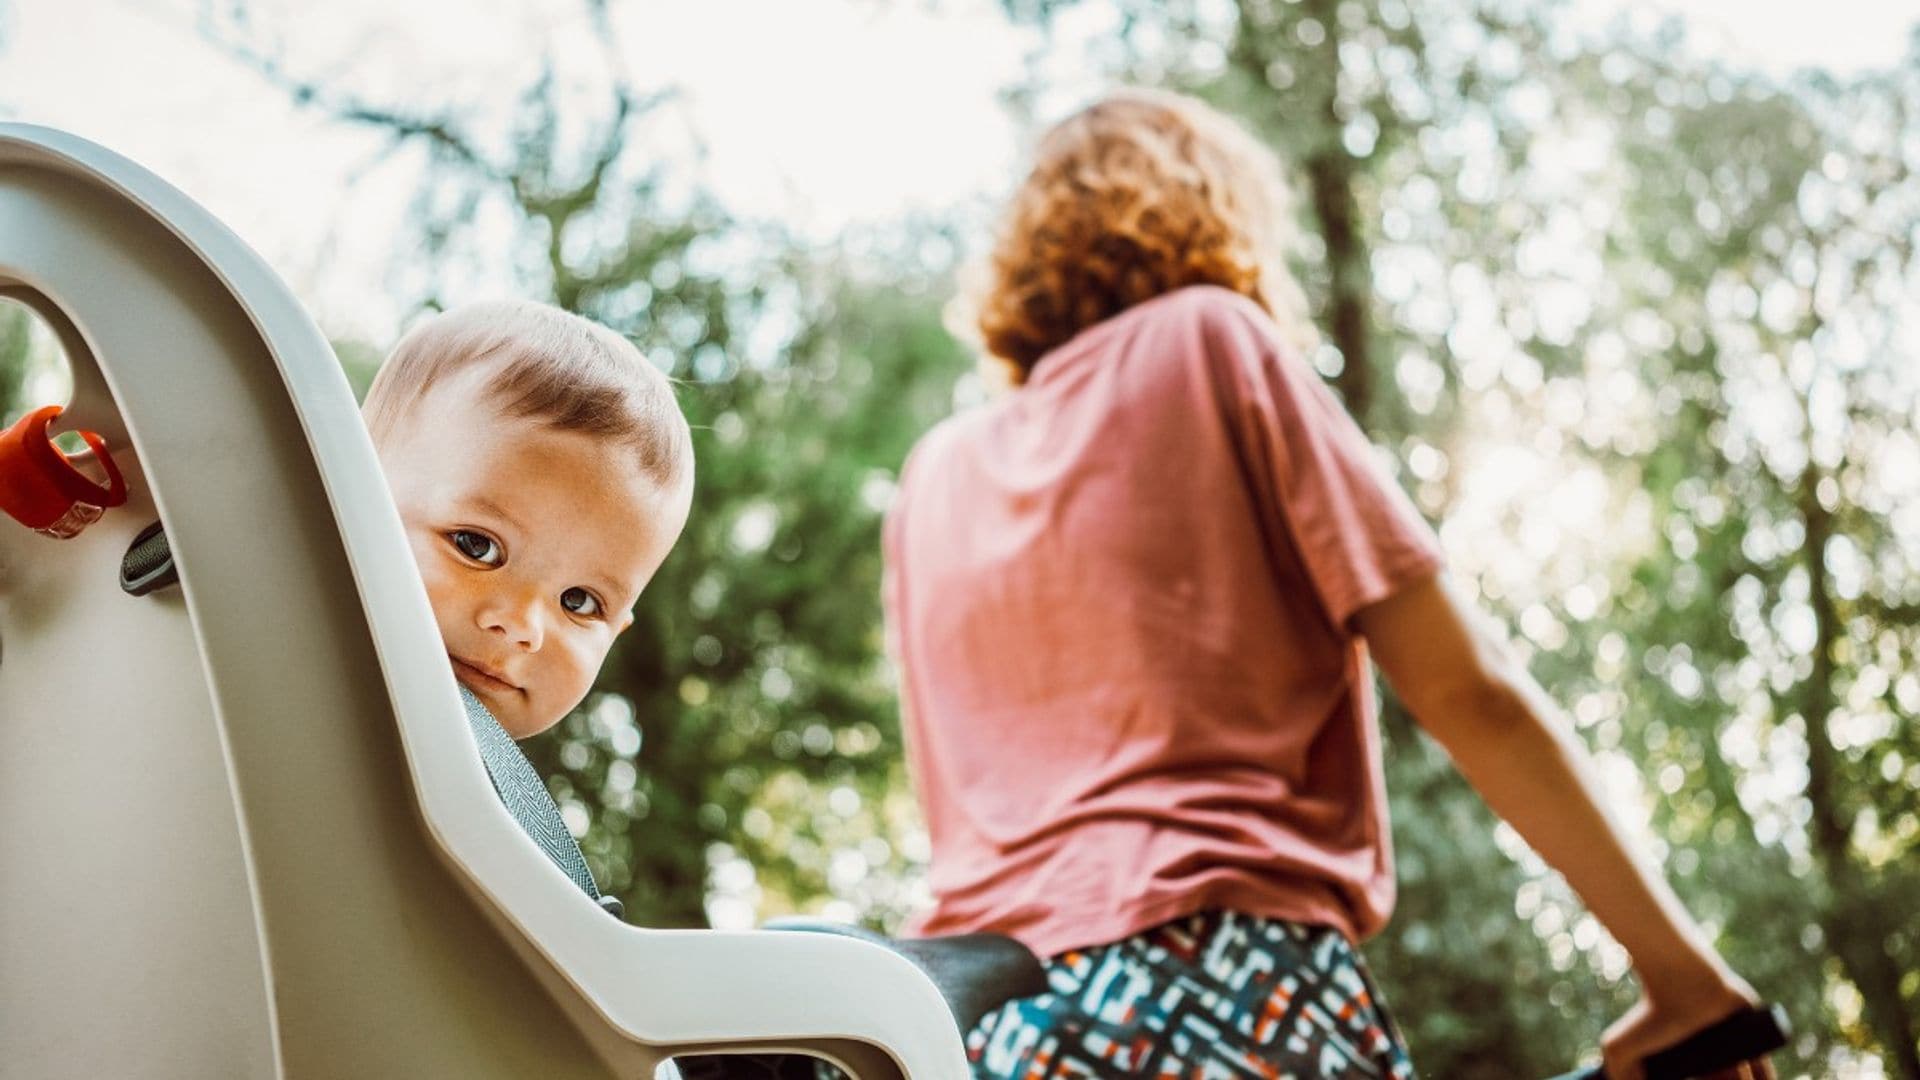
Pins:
x: 1218, y: 994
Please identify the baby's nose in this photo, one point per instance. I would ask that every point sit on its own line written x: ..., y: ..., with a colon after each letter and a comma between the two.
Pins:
x: 518, y: 620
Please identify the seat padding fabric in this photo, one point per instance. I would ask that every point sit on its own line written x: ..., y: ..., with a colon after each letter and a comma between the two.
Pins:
x: 526, y: 798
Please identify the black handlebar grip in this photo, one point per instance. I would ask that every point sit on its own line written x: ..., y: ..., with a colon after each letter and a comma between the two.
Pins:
x: 1747, y: 1034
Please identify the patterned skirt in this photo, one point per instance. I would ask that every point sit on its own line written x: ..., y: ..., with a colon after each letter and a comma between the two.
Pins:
x: 1218, y: 994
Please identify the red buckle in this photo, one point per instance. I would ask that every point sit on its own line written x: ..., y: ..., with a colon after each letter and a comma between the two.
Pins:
x: 39, y: 485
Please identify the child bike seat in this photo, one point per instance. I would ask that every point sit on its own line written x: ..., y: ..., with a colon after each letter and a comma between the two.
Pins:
x: 246, y: 830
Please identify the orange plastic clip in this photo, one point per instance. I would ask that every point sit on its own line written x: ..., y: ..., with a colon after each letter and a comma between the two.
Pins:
x: 42, y: 489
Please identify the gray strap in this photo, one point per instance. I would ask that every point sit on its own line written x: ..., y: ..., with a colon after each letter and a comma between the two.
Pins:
x: 526, y: 798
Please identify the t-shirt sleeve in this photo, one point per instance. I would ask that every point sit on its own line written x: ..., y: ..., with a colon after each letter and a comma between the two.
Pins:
x: 1357, y: 535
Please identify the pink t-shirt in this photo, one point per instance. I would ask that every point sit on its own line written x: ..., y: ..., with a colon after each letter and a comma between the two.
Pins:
x: 1120, y: 600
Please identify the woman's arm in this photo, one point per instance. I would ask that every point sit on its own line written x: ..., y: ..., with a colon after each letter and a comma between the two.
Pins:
x: 1510, y: 741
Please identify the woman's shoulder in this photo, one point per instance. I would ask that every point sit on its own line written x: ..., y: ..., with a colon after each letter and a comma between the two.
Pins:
x: 935, y: 441
x: 1205, y: 304
x: 1215, y: 300
x: 1210, y: 326
x: 1213, y: 330
x: 1202, y: 314
x: 1232, y: 348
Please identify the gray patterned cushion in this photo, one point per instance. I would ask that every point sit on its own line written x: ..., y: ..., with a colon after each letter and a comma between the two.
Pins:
x: 526, y: 797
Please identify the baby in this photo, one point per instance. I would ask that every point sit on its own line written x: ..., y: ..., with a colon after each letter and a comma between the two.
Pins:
x: 543, y: 470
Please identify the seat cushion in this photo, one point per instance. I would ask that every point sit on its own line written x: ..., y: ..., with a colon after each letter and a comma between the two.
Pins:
x: 525, y: 796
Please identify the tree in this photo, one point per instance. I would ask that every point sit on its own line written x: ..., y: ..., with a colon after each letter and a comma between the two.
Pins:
x: 1527, y: 245
x: 1622, y: 316
x: 748, y: 710
x: 16, y: 361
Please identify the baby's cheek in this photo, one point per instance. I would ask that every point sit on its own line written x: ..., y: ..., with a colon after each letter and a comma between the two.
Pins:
x: 534, y: 712
x: 570, y: 679
x: 448, y: 591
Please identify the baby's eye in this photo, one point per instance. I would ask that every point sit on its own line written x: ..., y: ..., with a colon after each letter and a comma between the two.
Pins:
x: 475, y: 546
x: 589, y: 603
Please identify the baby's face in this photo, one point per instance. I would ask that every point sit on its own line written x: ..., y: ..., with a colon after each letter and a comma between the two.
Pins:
x: 534, y: 544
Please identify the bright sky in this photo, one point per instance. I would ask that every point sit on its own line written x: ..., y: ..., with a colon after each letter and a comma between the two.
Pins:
x: 818, y: 113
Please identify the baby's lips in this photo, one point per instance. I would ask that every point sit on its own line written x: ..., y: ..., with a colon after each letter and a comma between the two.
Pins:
x: 42, y: 489
x: 486, y: 671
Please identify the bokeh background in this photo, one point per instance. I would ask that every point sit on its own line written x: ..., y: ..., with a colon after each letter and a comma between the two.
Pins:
x: 1626, y: 295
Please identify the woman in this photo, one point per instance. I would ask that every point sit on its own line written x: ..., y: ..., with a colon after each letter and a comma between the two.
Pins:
x: 1132, y: 603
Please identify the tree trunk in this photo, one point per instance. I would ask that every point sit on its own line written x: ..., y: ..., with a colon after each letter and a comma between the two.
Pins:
x: 1855, y: 920
x: 1330, y: 173
x: 1331, y: 176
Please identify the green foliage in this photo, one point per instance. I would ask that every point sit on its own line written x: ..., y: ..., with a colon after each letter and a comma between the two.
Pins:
x: 32, y: 367
x: 359, y: 361
x: 1657, y: 278
x: 15, y: 359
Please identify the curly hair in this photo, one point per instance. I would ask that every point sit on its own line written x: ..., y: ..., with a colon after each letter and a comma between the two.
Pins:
x: 1139, y: 194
